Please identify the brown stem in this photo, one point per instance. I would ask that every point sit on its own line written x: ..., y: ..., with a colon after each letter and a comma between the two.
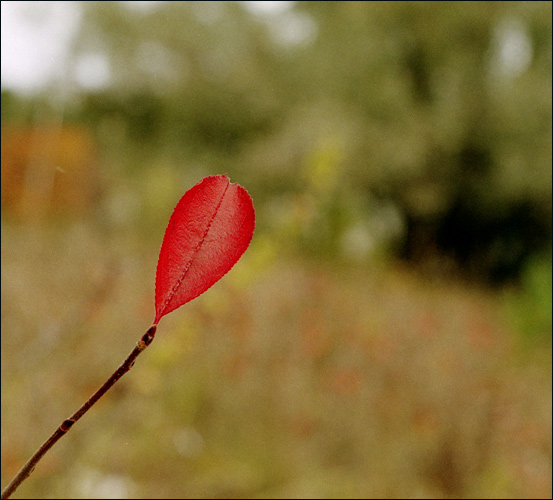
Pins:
x: 26, y: 470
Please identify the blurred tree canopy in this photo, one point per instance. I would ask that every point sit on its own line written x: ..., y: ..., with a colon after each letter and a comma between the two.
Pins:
x: 422, y: 124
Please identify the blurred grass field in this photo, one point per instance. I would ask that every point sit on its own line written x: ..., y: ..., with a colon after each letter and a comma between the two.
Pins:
x: 292, y: 377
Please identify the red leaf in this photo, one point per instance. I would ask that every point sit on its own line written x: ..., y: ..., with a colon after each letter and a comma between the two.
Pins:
x: 211, y: 227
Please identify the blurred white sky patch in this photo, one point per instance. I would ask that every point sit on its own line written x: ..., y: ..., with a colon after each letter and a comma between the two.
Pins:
x: 293, y: 28
x: 287, y: 27
x: 142, y: 4
x: 511, y: 49
x: 268, y: 8
x: 92, y: 71
x: 36, y: 38
x: 35, y: 41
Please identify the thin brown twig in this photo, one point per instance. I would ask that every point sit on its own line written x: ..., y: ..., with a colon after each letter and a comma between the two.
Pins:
x: 26, y: 470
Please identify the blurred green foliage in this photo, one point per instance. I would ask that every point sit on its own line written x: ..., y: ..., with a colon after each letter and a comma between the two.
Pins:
x: 529, y: 309
x: 431, y: 118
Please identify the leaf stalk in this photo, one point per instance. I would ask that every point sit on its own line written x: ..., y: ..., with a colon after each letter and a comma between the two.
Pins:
x: 29, y: 466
